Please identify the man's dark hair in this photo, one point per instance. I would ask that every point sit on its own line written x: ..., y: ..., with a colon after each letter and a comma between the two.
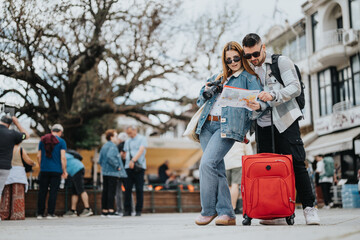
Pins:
x: 251, y: 40
x: 6, y: 119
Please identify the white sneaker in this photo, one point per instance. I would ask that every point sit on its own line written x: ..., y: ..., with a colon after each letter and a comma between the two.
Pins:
x: 39, y: 217
x: 276, y: 221
x: 311, y: 216
x: 326, y: 207
x: 52, y: 216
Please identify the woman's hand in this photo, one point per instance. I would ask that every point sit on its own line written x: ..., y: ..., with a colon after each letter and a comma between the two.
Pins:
x: 254, y: 105
x: 207, y: 85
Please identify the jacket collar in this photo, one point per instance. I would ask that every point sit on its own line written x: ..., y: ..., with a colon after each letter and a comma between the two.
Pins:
x: 236, y: 74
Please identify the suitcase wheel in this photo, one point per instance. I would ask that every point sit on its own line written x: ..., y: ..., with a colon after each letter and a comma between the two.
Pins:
x: 246, y: 221
x: 290, y: 220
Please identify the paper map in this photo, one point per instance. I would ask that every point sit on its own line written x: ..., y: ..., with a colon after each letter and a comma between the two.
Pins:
x: 237, y: 97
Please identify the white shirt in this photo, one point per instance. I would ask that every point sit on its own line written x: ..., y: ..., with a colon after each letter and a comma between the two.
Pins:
x: 320, y: 168
x: 233, y: 159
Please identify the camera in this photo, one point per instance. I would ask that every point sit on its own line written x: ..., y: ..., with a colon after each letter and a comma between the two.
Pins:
x: 6, y: 112
x: 214, y: 87
x: 7, y: 109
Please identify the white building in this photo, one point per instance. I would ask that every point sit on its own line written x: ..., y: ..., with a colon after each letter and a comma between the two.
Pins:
x: 325, y: 44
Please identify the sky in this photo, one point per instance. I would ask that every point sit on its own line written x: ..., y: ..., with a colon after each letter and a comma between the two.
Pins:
x: 258, y: 16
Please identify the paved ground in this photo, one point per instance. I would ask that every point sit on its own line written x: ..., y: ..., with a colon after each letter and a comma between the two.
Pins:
x: 336, y: 224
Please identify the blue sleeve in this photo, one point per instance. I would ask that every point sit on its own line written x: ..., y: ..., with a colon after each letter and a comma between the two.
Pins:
x: 201, y: 100
x: 63, y: 145
x: 41, y: 145
x: 113, y: 157
x: 144, y: 142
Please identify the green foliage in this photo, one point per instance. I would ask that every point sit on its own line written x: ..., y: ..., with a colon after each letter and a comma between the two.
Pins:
x: 89, y: 134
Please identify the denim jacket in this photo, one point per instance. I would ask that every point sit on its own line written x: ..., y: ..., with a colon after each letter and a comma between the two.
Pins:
x: 235, y: 121
x: 110, y: 161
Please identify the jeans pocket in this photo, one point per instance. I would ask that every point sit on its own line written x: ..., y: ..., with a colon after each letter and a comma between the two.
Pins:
x: 297, y: 149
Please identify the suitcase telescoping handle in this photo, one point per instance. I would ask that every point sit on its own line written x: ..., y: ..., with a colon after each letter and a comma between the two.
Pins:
x: 272, y: 133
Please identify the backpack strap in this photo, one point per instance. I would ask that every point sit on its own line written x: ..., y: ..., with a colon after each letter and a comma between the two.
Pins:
x: 274, y: 66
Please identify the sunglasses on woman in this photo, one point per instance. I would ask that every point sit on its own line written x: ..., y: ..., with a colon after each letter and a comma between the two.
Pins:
x: 254, y: 54
x: 235, y: 59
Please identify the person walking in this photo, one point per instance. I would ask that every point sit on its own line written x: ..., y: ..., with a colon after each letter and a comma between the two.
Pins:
x: 285, y: 113
x: 135, y: 148
x: 52, y: 161
x: 218, y: 128
x: 233, y: 166
x: 8, y: 139
x: 76, y: 171
x: 112, y: 169
x: 325, y: 168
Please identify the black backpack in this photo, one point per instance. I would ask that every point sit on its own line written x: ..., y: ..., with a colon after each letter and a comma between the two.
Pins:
x: 28, y: 168
x: 276, y: 73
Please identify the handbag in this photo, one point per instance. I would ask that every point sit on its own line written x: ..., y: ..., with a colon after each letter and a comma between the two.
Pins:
x: 28, y: 168
x: 190, y: 131
x: 137, y: 166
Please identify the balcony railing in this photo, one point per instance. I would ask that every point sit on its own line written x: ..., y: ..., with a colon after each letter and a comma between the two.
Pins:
x: 332, y: 38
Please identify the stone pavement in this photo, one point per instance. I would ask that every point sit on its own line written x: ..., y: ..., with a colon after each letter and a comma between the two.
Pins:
x: 336, y: 224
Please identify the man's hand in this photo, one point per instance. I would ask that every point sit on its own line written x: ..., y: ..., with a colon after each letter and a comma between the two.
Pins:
x: 64, y: 175
x: 131, y: 164
x: 254, y: 105
x: 265, y: 96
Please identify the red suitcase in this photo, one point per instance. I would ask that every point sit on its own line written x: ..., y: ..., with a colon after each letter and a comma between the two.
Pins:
x: 268, y: 187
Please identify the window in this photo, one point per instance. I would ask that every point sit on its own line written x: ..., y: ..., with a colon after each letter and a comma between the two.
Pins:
x: 314, y: 25
x: 355, y: 70
x: 302, y: 47
x: 354, y: 14
x: 325, y: 96
x: 345, y: 86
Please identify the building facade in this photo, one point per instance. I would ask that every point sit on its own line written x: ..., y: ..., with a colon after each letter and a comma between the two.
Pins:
x: 325, y: 44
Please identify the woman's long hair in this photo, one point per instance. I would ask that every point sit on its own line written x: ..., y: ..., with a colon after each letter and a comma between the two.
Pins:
x: 245, y: 64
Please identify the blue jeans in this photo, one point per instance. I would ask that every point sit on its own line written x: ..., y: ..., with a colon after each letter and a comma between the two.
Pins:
x: 214, y: 188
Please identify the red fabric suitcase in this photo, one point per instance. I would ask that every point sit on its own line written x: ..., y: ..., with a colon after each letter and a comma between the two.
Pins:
x: 268, y: 187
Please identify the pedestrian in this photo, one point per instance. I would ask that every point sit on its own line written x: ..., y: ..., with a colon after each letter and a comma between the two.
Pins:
x: 135, y: 148
x: 325, y: 168
x: 112, y: 169
x: 285, y: 113
x: 218, y: 128
x: 52, y: 160
x: 119, y: 197
x: 164, y: 172
x: 8, y: 139
x: 13, y: 197
x: 76, y: 171
x: 233, y: 166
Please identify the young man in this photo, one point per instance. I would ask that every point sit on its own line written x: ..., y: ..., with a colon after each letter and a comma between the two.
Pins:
x: 135, y: 148
x: 286, y: 114
x: 52, y: 161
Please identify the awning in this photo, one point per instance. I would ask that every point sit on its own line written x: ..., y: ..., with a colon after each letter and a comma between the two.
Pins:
x: 335, y: 142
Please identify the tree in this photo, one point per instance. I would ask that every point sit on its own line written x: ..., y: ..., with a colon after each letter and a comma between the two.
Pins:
x: 77, y: 61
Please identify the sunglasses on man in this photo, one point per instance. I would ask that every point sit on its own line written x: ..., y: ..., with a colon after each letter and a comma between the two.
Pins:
x: 235, y: 59
x: 254, y: 54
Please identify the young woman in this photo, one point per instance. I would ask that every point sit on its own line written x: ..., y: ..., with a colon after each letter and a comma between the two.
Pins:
x: 12, y: 205
x: 218, y: 129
